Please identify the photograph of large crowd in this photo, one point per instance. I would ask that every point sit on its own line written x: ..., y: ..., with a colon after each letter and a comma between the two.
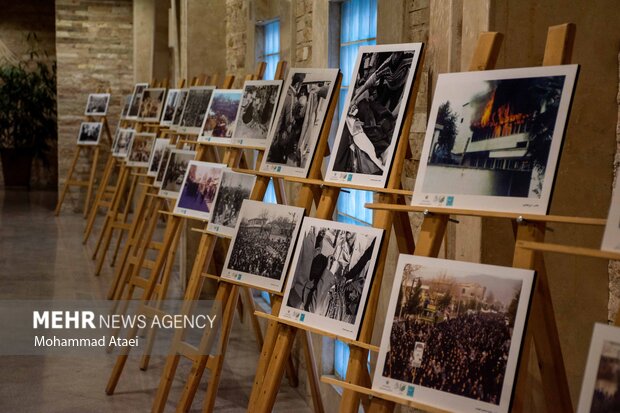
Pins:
x: 97, y: 104
x: 258, y: 107
x: 299, y: 120
x: 234, y: 188
x: 196, y: 105
x: 152, y: 104
x: 333, y: 268
x: 262, y: 246
x: 122, y: 142
x: 175, y: 172
x: 140, y: 151
x: 136, y: 99
x: 169, y: 105
x: 156, y: 155
x: 199, y: 189
x: 222, y: 114
x: 179, y: 104
x: 90, y: 132
x: 452, y: 329
x: 368, y: 133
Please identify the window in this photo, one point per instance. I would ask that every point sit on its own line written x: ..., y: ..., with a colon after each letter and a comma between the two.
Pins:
x: 358, y: 27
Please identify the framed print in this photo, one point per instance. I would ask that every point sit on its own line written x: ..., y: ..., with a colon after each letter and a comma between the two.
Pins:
x: 90, y: 133
x: 122, y: 143
x: 330, y: 276
x: 262, y: 245
x: 126, y: 105
x: 233, y: 189
x: 195, y: 109
x: 256, y: 112
x: 97, y: 104
x: 299, y: 121
x: 136, y: 100
x: 178, y: 107
x: 156, y: 155
x: 152, y: 104
x: 174, y: 172
x: 600, y: 390
x: 140, y: 149
x: 198, y: 189
x: 375, y: 106
x: 453, y: 334
x: 611, y: 237
x: 494, y: 139
x: 219, y: 123
x: 161, y: 168
x: 169, y: 105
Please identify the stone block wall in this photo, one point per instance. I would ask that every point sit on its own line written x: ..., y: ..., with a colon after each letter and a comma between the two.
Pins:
x: 303, y: 33
x: 94, y: 50
x: 237, y: 14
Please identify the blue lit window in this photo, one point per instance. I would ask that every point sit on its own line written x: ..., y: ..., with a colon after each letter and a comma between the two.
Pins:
x: 358, y: 27
x: 271, y: 48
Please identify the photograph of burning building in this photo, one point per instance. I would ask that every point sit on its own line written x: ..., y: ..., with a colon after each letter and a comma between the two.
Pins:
x: 453, y: 333
x: 495, y: 134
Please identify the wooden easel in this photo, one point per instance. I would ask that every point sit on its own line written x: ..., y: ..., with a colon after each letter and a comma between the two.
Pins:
x: 88, y: 184
x: 529, y: 234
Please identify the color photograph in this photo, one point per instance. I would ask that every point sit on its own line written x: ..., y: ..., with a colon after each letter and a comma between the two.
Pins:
x: 152, y: 104
x: 261, y: 249
x: 195, y: 108
x: 175, y: 172
x: 219, y: 124
x: 256, y: 112
x: 330, y: 276
x: 156, y: 156
x: 198, y: 190
x: 136, y: 100
x: 299, y: 121
x: 375, y: 107
x: 453, y: 333
x: 494, y: 138
x: 140, y: 150
x: 97, y: 104
x: 90, y: 133
x: 168, y: 112
x: 233, y: 189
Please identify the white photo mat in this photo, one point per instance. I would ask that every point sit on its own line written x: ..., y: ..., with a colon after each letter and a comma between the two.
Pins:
x: 140, y: 159
x: 254, y: 131
x: 88, y: 130
x: 167, y: 114
x: 103, y: 98
x: 149, y: 93
x: 156, y: 156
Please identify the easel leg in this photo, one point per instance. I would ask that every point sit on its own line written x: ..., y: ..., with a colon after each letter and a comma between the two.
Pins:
x: 94, y: 209
x: 65, y: 187
x: 91, y: 181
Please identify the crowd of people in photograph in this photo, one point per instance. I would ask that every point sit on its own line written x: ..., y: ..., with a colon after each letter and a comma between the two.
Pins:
x: 229, y: 203
x: 465, y: 355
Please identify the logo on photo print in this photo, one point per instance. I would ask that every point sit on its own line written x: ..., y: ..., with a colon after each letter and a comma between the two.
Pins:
x: 450, y: 201
x: 302, y: 317
x: 349, y: 177
x: 278, y: 168
x: 410, y: 391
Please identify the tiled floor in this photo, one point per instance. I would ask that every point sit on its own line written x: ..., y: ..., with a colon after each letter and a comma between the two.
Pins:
x: 42, y: 257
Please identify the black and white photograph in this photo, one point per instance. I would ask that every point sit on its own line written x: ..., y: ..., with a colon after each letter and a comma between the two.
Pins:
x: 256, y: 112
x: 219, y: 124
x: 494, y: 138
x: 600, y: 390
x: 262, y: 245
x: 90, y: 133
x: 152, y: 104
x: 199, y: 189
x: 195, y: 108
x: 373, y: 114
x: 136, y: 100
x: 453, y: 334
x: 179, y: 104
x: 140, y: 150
x: 122, y: 143
x: 330, y: 276
x: 611, y: 236
x: 161, y: 168
x: 97, y: 104
x: 167, y: 114
x: 175, y: 172
x: 298, y: 122
x: 156, y: 156
x: 126, y: 104
x: 233, y: 189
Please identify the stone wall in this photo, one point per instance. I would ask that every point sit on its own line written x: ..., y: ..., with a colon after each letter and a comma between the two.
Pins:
x: 614, y: 266
x: 237, y: 14
x: 94, y: 49
x: 303, y: 33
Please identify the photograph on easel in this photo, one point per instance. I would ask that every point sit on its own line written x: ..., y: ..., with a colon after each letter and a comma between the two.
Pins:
x: 600, y: 391
x: 140, y: 150
x: 168, y: 111
x: 179, y: 104
x: 453, y: 333
x: 90, y: 133
x: 198, y: 189
x: 175, y: 172
x: 611, y: 237
x: 330, y: 276
x: 152, y: 104
x: 372, y: 116
x: 195, y: 108
x: 156, y: 156
x: 161, y: 168
x: 136, y: 100
x: 299, y: 121
x: 494, y: 139
x: 126, y: 105
x: 233, y: 189
x: 261, y: 249
x: 97, y: 104
x: 256, y: 112
x: 219, y: 123
x: 122, y: 143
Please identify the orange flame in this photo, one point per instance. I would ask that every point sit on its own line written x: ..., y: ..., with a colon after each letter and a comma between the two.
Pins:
x: 486, y: 114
